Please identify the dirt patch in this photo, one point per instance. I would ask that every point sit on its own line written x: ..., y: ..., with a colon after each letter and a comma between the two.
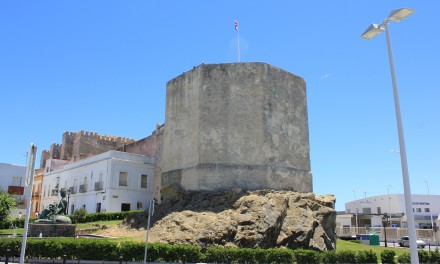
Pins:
x: 122, y: 231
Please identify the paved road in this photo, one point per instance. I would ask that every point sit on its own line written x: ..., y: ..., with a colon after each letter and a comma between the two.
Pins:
x: 396, y: 245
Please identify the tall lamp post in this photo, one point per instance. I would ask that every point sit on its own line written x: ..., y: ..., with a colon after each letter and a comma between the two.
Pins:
x: 355, y: 208
x: 371, y: 32
x: 389, y: 201
x: 432, y: 221
x: 68, y: 198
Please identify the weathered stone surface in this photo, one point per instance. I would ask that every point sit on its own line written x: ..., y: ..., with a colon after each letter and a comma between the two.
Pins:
x: 51, y: 230
x: 236, y: 125
x: 264, y: 218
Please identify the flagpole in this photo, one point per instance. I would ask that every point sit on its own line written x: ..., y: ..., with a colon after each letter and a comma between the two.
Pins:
x: 238, y: 38
x: 238, y: 44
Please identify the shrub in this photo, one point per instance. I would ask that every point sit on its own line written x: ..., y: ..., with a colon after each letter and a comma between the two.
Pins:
x: 79, y: 215
x: 305, y: 256
x: 244, y: 255
x: 435, y: 256
x: 387, y: 256
x: 282, y: 255
x: 328, y: 256
x: 216, y: 254
x: 366, y: 256
x: 346, y: 256
x: 405, y: 258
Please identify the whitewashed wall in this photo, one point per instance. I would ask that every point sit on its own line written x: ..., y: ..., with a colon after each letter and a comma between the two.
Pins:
x: 104, y: 167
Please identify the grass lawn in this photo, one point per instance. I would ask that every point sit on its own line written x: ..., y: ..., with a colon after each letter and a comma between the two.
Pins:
x: 350, y: 245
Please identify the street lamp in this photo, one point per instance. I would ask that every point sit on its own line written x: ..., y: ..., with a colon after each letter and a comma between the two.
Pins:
x: 432, y: 221
x: 355, y: 208
x: 68, y: 197
x: 385, y: 224
x: 371, y: 32
x: 389, y: 206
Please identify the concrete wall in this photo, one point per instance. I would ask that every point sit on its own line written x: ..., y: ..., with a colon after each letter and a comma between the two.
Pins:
x: 7, y: 174
x: 236, y: 125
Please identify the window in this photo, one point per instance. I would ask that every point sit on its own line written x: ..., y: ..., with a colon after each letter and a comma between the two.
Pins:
x: 418, y: 210
x: 123, y: 178
x: 16, y: 181
x: 144, y: 181
x: 139, y: 205
x: 427, y: 210
x: 366, y: 210
x: 379, y: 210
x: 125, y: 207
x: 98, y: 207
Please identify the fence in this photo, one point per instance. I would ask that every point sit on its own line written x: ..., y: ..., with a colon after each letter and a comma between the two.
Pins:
x: 393, y: 233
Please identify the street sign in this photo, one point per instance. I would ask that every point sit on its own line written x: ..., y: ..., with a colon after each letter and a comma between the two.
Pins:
x: 393, y: 215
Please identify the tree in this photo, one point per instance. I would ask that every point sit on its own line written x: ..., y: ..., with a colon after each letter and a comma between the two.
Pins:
x: 7, y: 204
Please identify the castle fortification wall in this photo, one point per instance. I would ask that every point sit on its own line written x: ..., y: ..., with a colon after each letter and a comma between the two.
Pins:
x: 67, y: 145
x: 87, y: 144
x: 236, y: 125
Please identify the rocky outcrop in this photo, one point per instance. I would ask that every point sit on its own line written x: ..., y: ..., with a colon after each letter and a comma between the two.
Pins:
x: 264, y: 218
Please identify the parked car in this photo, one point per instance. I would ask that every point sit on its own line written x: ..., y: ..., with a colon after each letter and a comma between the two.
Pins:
x: 404, y: 242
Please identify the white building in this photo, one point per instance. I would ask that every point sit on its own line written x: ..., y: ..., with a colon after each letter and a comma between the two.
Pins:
x: 370, y: 210
x: 109, y: 182
x: 12, y: 179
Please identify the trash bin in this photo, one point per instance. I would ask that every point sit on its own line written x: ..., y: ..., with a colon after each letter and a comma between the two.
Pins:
x: 374, y: 240
x: 365, y: 239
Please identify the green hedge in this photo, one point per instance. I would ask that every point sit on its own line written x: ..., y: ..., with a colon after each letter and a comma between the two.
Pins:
x: 93, y: 249
x: 424, y: 257
x: 93, y: 217
x: 7, y: 224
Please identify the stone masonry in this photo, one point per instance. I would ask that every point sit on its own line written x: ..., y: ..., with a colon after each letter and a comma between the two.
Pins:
x: 80, y: 145
x: 238, y: 125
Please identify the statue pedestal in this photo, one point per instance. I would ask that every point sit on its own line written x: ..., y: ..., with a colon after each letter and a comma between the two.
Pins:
x: 51, y: 230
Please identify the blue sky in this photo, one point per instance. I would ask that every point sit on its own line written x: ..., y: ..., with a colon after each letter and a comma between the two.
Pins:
x: 102, y: 66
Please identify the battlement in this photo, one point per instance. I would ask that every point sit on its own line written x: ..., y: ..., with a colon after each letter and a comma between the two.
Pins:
x: 105, y: 137
x: 68, y: 133
x: 55, y: 145
x: 78, y: 145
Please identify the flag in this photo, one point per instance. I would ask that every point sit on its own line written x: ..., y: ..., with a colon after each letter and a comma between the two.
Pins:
x: 236, y: 25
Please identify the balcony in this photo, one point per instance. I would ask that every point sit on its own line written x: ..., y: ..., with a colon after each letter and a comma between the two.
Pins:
x: 99, y: 186
x: 17, y: 190
x: 83, y: 188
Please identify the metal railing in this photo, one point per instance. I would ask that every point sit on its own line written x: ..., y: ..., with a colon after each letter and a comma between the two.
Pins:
x: 393, y: 233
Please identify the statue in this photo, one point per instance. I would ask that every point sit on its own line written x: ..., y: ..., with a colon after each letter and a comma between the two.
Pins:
x: 55, y: 214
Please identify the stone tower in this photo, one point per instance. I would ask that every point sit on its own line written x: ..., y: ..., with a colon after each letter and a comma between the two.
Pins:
x: 236, y: 125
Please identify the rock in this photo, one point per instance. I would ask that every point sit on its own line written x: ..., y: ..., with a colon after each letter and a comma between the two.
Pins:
x: 263, y: 218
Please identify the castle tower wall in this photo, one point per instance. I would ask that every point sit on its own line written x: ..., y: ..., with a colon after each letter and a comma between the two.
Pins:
x: 67, y: 145
x: 55, y: 150
x: 236, y: 125
x: 87, y: 144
